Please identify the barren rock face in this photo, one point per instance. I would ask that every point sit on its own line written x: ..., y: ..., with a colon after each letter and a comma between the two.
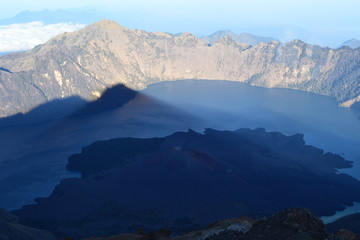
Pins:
x: 86, y: 62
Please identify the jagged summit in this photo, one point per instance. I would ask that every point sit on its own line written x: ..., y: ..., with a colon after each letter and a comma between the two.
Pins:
x: 105, y: 23
x: 104, y: 30
x: 104, y: 26
x: 225, y: 40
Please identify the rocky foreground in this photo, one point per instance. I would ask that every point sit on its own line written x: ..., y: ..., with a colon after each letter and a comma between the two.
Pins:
x: 289, y: 224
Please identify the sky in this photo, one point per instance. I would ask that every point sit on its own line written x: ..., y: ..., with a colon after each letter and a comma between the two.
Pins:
x: 321, y: 22
x: 304, y: 13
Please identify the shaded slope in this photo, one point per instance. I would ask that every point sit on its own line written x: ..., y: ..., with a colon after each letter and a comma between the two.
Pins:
x: 176, y: 181
x: 52, y: 110
x: 34, y: 153
x: 111, y: 98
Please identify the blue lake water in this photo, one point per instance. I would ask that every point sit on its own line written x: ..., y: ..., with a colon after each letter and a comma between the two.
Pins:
x: 4, y: 53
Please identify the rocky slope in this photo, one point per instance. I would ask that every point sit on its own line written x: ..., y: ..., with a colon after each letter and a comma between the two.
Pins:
x: 173, y: 181
x: 287, y: 224
x: 86, y: 62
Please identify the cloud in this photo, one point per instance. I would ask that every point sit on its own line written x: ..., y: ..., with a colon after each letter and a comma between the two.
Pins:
x: 24, y: 36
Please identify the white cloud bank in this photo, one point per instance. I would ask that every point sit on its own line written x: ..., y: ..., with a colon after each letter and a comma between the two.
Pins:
x: 24, y: 36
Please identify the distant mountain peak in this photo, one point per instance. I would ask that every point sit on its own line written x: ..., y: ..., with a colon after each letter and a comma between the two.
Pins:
x: 297, y: 42
x: 106, y: 24
x: 225, y: 39
x: 352, y: 43
x: 245, y: 38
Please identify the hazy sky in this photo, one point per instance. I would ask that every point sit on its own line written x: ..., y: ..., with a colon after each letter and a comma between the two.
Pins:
x: 304, y: 13
x: 333, y: 17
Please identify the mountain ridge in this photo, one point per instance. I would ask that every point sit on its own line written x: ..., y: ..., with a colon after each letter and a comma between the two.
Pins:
x: 245, y: 38
x: 352, y: 43
x: 103, y: 54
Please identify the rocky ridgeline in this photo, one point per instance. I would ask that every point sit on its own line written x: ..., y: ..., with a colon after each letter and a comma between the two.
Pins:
x: 294, y: 224
x: 86, y: 62
x: 241, y: 38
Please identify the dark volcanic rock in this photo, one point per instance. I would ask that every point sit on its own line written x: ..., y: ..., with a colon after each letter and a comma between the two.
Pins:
x: 174, y: 181
x: 289, y: 224
x: 112, y: 153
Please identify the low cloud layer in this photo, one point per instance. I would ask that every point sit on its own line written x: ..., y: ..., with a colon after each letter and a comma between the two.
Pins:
x: 24, y: 36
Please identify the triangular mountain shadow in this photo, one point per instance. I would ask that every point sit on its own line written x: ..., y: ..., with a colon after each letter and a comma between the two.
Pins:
x: 113, y: 97
x: 41, y: 150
